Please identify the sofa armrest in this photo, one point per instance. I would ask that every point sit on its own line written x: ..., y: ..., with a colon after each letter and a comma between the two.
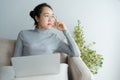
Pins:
x: 78, y: 69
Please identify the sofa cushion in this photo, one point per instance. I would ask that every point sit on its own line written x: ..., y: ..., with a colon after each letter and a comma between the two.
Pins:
x: 7, y: 73
x: 6, y: 51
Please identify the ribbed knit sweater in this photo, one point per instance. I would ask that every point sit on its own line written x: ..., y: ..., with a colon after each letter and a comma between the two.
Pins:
x: 39, y: 41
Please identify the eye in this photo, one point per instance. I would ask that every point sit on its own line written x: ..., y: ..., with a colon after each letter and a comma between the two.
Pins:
x: 52, y: 16
x: 46, y: 15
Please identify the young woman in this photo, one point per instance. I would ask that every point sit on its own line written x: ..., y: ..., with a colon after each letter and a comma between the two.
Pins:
x: 41, y: 40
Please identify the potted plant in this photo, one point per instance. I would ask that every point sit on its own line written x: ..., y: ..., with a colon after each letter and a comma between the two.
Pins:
x: 93, y: 60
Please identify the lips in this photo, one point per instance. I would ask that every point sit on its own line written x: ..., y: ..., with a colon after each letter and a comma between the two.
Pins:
x: 49, y: 24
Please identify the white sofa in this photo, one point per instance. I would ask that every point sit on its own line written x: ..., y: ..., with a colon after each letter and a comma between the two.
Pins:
x: 77, y: 70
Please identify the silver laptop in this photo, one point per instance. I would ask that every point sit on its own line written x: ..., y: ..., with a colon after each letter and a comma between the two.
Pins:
x: 36, y: 65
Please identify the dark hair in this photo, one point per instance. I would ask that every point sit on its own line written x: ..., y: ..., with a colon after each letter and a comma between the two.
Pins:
x: 37, y: 11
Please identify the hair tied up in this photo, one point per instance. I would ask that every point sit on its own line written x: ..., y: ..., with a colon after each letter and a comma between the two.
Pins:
x: 32, y: 14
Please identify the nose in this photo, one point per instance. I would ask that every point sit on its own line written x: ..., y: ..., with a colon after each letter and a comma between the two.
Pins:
x: 51, y: 18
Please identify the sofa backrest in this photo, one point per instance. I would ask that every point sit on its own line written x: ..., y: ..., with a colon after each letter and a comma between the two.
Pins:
x: 6, y: 51
x: 7, y: 47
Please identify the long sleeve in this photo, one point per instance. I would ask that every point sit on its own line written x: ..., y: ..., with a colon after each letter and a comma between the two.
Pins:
x: 71, y: 48
x: 19, y: 46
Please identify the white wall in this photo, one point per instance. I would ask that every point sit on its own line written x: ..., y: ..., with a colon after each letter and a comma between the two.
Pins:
x: 100, y: 19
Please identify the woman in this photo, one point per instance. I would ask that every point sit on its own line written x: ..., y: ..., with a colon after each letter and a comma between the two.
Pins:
x: 41, y: 40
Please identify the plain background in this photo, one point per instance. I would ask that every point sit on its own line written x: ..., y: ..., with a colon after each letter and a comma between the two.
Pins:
x: 100, y: 20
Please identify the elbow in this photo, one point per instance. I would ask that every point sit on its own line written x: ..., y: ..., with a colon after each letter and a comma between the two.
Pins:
x: 75, y: 55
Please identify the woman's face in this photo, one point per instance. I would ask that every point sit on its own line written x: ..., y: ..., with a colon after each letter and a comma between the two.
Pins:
x: 46, y: 19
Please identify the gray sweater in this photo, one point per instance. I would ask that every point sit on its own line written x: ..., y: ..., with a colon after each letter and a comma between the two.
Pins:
x: 38, y: 41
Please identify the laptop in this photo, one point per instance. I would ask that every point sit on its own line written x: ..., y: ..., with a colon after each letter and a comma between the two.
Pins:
x: 26, y: 66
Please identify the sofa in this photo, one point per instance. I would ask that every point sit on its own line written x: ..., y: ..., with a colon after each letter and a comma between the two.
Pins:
x: 77, y: 70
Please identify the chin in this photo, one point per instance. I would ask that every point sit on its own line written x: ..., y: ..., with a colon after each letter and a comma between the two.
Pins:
x: 49, y: 27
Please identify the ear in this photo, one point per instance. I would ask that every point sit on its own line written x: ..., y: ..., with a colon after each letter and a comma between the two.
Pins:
x: 37, y: 18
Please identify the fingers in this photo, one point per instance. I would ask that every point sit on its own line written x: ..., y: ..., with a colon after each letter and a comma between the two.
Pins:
x: 55, y: 23
x: 59, y: 25
x: 56, y: 19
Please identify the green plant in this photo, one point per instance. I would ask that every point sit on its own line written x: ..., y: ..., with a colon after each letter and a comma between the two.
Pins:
x: 93, y: 60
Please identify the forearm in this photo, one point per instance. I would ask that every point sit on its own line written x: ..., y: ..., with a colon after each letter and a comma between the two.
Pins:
x: 72, y: 45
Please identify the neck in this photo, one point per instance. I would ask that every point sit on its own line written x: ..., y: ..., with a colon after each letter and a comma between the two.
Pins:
x: 42, y: 30
x: 40, y: 27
